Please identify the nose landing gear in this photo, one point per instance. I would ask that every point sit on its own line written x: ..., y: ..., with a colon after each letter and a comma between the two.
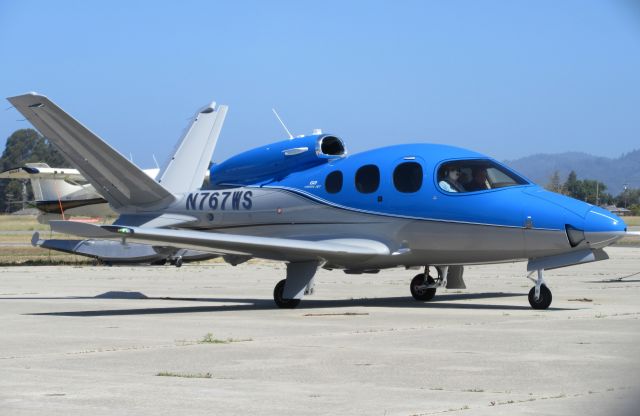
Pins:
x: 539, y: 295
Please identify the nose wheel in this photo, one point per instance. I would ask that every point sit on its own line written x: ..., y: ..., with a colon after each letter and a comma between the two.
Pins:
x: 544, y: 298
x: 539, y: 295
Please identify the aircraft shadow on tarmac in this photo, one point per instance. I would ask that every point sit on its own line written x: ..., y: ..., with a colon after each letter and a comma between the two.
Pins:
x: 240, y: 304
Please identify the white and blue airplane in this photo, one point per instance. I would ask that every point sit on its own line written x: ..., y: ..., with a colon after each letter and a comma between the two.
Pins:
x: 305, y: 202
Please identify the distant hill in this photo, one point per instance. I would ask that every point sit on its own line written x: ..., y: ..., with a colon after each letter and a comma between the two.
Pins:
x: 612, y: 172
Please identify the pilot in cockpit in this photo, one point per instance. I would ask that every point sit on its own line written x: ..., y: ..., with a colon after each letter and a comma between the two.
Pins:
x: 449, y: 180
x: 478, y: 180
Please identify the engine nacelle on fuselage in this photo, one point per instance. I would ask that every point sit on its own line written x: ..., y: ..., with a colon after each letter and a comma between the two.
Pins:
x: 275, y: 161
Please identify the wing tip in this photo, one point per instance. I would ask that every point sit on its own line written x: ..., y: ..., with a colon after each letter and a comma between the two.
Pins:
x: 29, y: 96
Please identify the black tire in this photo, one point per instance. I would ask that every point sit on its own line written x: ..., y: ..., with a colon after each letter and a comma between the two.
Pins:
x: 282, y: 303
x: 543, y: 301
x: 418, y: 292
x: 178, y: 262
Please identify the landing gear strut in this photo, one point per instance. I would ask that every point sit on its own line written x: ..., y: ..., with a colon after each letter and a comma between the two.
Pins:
x: 423, y: 287
x: 299, y: 282
x: 539, y: 295
x: 177, y: 261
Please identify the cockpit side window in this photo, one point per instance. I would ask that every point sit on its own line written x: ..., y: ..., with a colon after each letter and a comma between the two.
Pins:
x: 475, y: 175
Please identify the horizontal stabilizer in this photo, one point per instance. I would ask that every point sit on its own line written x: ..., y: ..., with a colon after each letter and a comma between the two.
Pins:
x: 121, y: 182
x: 263, y: 247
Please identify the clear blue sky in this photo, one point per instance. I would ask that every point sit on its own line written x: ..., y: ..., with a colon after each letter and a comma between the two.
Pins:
x: 506, y: 78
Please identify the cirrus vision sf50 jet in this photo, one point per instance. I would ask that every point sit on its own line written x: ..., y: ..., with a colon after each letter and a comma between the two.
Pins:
x: 303, y: 201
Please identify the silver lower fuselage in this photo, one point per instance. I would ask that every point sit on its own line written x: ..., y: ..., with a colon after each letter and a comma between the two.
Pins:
x: 412, y: 241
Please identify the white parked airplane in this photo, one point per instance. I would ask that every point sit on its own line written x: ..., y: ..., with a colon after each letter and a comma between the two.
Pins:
x: 60, y: 193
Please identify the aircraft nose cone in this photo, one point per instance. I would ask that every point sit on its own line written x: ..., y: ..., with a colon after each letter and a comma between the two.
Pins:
x: 598, y: 219
x: 603, y: 228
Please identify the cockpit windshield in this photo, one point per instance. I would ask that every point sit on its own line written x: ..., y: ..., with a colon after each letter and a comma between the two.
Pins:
x: 475, y: 175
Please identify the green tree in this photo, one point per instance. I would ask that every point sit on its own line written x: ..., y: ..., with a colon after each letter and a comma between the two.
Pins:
x: 629, y: 197
x: 24, y: 146
x: 572, y: 186
x: 554, y: 184
x: 588, y: 190
x: 593, y: 192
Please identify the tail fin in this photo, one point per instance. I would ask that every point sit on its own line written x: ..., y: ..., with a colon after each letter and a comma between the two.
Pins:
x: 121, y: 182
x: 48, y: 184
x: 195, y: 147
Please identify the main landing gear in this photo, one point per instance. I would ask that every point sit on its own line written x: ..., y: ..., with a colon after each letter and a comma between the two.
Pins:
x: 299, y: 282
x: 278, y: 297
x: 177, y: 261
x: 539, y: 295
x: 423, y: 286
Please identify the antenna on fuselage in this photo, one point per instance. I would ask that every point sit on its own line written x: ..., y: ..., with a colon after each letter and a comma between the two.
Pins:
x: 282, y: 123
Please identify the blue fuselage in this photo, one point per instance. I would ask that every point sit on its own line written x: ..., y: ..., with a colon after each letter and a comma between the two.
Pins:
x: 395, y: 194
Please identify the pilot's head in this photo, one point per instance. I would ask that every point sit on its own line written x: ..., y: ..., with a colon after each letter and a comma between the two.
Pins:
x: 479, y: 174
x: 453, y: 173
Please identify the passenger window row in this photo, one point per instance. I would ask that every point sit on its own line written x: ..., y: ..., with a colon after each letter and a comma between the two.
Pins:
x: 407, y: 178
x: 453, y: 177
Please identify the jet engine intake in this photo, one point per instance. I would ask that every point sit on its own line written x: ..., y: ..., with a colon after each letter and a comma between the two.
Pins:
x: 277, y: 160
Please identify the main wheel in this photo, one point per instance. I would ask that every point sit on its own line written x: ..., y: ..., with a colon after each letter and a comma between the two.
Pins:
x: 278, y: 293
x: 418, y: 291
x: 543, y: 301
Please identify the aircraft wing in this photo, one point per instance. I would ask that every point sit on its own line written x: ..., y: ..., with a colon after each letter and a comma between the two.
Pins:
x: 117, y: 179
x: 283, y: 249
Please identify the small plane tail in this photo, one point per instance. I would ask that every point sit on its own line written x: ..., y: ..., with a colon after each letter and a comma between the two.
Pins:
x: 185, y: 169
x: 123, y: 184
x: 48, y: 184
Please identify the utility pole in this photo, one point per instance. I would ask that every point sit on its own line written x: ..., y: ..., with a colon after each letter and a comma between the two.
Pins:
x: 9, y: 198
x: 626, y: 195
x: 24, y: 195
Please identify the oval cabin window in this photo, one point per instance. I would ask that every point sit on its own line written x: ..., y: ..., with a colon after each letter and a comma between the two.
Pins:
x: 333, y: 183
x: 407, y: 177
x: 368, y: 179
